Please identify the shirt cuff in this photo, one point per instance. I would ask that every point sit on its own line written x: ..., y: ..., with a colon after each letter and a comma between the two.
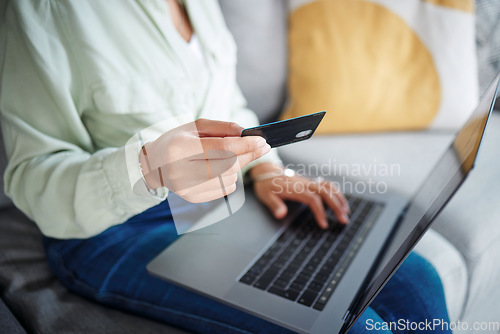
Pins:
x: 123, y: 176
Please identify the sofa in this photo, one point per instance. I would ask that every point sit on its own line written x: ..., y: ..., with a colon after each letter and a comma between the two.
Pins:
x: 463, y: 243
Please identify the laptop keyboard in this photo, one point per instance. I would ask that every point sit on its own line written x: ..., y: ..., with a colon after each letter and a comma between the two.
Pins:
x: 305, y: 264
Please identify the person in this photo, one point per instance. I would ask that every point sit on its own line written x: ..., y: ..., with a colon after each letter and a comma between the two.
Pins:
x: 79, y: 82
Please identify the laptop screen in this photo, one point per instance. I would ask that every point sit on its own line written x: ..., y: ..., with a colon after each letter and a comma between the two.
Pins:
x: 440, y: 185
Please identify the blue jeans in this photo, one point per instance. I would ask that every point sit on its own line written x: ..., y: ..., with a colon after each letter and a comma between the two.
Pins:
x: 110, y: 269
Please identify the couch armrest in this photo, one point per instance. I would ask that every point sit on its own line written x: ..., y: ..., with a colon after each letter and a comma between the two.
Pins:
x: 8, y: 323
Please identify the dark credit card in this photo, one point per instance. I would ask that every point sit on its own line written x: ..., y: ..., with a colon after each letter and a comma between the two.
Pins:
x: 288, y: 131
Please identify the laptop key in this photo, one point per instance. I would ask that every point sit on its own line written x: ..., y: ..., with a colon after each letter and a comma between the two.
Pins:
x: 322, y: 276
x: 248, y: 279
x: 320, y: 304
x: 278, y: 265
x: 321, y: 252
x: 310, y: 268
x: 301, y: 256
x: 263, y: 261
x: 285, y: 236
x: 315, y: 286
x: 303, y: 278
x: 288, y: 294
x: 298, y: 285
x: 307, y: 298
x: 266, y: 279
x: 286, y: 276
x: 280, y: 284
x: 294, y: 265
x: 256, y: 270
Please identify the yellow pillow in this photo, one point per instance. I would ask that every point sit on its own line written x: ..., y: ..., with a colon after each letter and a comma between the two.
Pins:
x: 382, y: 65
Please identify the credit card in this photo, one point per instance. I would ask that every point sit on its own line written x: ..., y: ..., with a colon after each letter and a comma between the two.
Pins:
x: 287, y: 131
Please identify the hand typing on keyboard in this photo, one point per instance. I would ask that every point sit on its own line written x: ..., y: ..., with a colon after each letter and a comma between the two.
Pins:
x: 305, y: 264
x: 273, y: 191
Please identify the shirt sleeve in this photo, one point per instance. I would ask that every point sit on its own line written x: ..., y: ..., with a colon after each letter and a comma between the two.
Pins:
x: 53, y: 174
x: 247, y: 118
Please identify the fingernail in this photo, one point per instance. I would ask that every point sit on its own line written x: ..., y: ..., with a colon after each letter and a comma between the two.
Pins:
x: 266, y: 149
x: 261, y: 142
x: 324, y: 224
x: 345, y: 218
x: 279, y: 212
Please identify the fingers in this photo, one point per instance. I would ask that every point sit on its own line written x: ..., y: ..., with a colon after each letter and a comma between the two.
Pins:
x: 200, y: 168
x: 184, y: 187
x: 333, y: 198
x: 245, y: 150
x: 340, y: 196
x: 304, y: 190
x: 315, y: 203
x: 220, y: 165
x: 213, y: 163
x: 211, y: 128
x: 245, y: 159
x: 274, y: 203
x: 216, y: 163
x: 236, y: 145
x: 209, y: 195
x: 210, y: 190
x: 311, y: 199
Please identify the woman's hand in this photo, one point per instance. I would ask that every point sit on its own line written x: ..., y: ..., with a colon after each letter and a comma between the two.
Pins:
x: 199, y: 161
x: 273, y: 191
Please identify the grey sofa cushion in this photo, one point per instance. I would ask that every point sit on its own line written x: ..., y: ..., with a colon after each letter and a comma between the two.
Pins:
x: 8, y: 323
x: 40, y: 302
x: 259, y: 29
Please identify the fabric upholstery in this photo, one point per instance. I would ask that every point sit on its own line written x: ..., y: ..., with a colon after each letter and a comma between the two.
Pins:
x: 8, y: 323
x: 40, y: 302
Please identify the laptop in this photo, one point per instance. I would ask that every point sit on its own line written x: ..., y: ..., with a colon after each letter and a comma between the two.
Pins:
x: 313, y: 281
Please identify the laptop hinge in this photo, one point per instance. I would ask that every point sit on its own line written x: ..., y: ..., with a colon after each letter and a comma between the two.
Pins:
x: 347, y: 313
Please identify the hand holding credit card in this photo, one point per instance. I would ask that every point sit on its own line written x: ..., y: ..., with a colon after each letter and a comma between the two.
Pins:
x: 287, y: 131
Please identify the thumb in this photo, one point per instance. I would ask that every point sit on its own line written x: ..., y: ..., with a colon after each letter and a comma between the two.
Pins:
x: 211, y: 128
x: 275, y: 204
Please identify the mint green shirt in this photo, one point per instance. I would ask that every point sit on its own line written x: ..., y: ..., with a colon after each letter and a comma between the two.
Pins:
x: 80, y: 79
